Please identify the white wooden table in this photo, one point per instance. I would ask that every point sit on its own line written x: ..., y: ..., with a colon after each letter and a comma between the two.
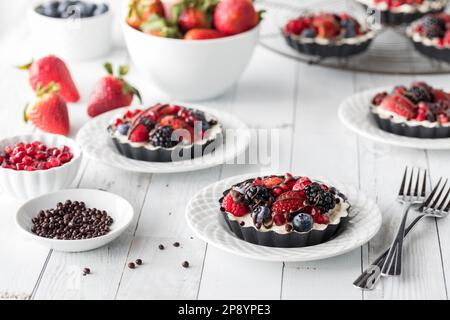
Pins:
x: 274, y: 92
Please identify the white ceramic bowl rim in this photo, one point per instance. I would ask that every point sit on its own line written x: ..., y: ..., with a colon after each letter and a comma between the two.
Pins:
x: 195, y: 42
x: 29, y: 233
x: 76, y: 151
x: 32, y: 10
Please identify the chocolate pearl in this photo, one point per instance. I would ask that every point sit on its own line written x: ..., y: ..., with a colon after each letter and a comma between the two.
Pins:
x: 185, y: 264
x: 161, y: 247
x: 138, y: 262
x: 176, y: 244
x: 86, y: 271
x: 131, y: 265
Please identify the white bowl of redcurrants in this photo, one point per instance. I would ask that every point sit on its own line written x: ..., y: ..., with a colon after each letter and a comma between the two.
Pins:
x: 36, y: 164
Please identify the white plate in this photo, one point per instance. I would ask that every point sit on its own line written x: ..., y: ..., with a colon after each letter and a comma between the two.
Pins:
x: 102, y: 149
x: 118, y: 208
x: 205, y: 219
x: 354, y: 113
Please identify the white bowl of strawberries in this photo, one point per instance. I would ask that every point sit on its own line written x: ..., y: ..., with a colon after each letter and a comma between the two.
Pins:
x: 192, y: 50
x: 36, y: 164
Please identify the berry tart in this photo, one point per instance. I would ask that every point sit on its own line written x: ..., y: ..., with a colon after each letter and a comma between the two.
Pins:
x: 419, y: 111
x: 431, y: 36
x: 165, y: 133
x: 284, y: 211
x: 397, y: 12
x: 327, y: 35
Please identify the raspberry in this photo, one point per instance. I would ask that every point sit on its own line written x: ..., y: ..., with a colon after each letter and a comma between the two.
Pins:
x: 140, y: 133
x: 279, y: 219
x: 236, y: 209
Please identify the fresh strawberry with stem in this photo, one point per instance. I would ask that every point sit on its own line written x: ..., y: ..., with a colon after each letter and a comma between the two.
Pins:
x: 139, y: 11
x: 51, y: 69
x: 112, y: 92
x: 49, y: 111
x: 236, y: 16
x: 194, y: 14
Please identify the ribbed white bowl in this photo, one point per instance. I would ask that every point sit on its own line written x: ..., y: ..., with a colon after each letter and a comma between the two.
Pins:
x: 29, y: 184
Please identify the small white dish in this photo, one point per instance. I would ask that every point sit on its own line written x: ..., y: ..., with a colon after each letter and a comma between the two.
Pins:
x: 355, y: 114
x: 204, y: 218
x: 72, y: 39
x: 101, y: 148
x: 29, y: 184
x: 118, y: 208
x: 191, y: 70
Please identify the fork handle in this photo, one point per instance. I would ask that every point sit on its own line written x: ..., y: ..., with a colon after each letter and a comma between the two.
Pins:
x: 370, y: 276
x: 393, y: 263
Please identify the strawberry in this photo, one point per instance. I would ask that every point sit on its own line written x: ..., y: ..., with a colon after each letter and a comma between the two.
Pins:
x: 139, y: 133
x: 301, y: 184
x: 287, y: 206
x: 400, y: 105
x: 271, y: 182
x: 173, y: 122
x: 140, y: 11
x: 192, y: 18
x: 235, y: 16
x: 326, y: 25
x: 440, y: 95
x: 49, y: 112
x: 236, y: 209
x: 51, y: 69
x: 111, y: 92
x: 202, y: 34
x: 292, y: 195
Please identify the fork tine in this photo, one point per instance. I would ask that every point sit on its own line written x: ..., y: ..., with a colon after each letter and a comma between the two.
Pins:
x: 411, y: 178
x: 424, y: 184
x: 402, y: 187
x: 443, y: 202
x: 431, y: 196
x: 438, y: 197
x: 416, y: 188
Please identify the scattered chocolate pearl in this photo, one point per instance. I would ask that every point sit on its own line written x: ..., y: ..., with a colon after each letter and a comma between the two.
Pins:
x: 222, y: 209
x: 86, y: 271
x: 71, y: 221
x: 185, y: 264
x: 138, y: 262
x: 242, y: 223
x: 161, y: 247
x: 176, y: 244
x: 288, y: 228
x: 338, y: 200
x: 131, y: 265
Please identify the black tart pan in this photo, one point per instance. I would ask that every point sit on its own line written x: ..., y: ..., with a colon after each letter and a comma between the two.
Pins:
x: 402, y: 129
x: 389, y: 18
x: 292, y: 239
x: 441, y: 54
x: 163, y: 154
x: 326, y: 50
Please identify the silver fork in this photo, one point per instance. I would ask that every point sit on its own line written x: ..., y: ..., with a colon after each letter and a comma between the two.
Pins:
x: 409, y: 199
x: 435, y: 206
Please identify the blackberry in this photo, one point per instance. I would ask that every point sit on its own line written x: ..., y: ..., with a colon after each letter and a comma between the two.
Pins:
x: 319, y: 198
x: 162, y: 137
x: 430, y: 22
x: 434, y: 32
x: 418, y: 94
x: 258, y: 196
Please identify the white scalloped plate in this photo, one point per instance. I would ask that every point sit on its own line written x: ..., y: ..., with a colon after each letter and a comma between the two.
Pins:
x: 354, y: 113
x: 102, y: 149
x: 204, y: 218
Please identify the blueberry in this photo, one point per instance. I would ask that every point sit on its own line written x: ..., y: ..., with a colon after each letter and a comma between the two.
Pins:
x: 262, y: 214
x: 205, y: 126
x: 89, y: 9
x: 50, y: 9
x: 100, y: 9
x: 123, y: 128
x: 309, y: 33
x: 200, y: 115
x: 303, y: 222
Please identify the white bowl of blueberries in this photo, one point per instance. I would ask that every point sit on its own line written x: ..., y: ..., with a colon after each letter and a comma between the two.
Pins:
x: 73, y: 30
